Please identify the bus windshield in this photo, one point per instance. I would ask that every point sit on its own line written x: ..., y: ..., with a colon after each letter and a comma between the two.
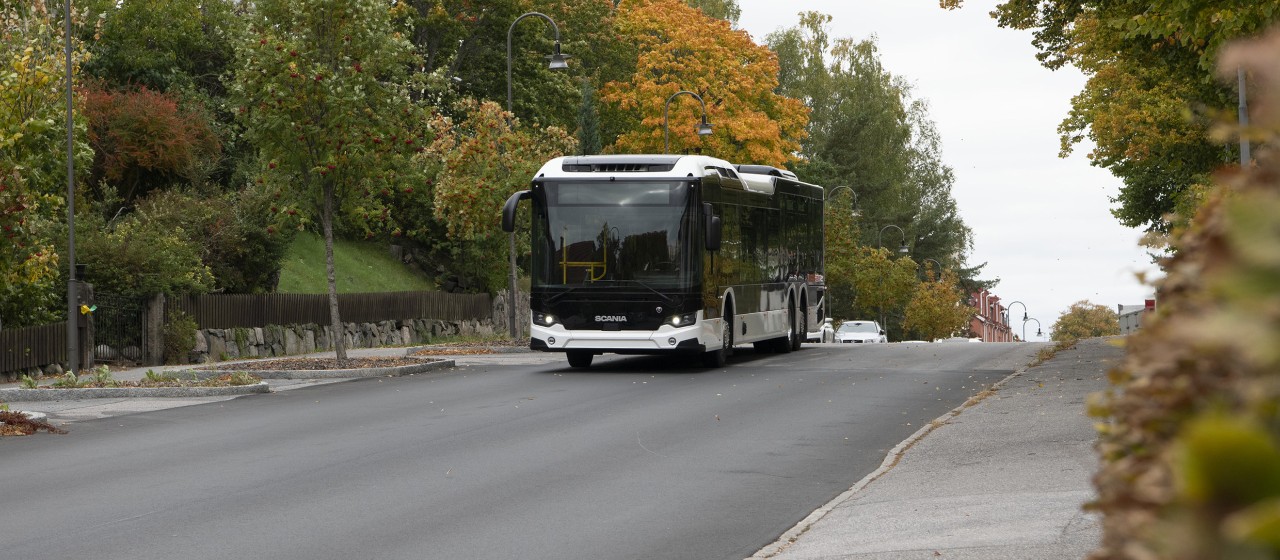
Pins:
x: 614, y: 232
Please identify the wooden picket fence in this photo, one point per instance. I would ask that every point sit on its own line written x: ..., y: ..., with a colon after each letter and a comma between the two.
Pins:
x: 29, y: 347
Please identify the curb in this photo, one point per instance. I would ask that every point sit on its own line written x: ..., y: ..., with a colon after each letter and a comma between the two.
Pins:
x: 426, y: 366
x: 31, y: 395
x: 492, y: 349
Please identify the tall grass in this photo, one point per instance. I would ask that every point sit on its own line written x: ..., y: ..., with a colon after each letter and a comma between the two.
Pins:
x: 358, y: 266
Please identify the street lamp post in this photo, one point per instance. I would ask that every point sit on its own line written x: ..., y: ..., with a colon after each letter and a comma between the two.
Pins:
x: 1024, y: 327
x: 1024, y: 318
x: 555, y: 61
x: 704, y: 128
x: 73, y: 341
x: 903, y: 249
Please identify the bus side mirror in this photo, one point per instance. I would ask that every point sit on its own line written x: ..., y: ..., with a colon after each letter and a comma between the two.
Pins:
x: 713, y: 227
x: 509, y: 210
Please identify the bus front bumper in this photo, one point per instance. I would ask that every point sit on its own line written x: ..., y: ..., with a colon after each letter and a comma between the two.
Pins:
x: 665, y: 340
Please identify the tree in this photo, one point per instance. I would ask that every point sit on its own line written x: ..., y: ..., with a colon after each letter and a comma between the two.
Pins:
x: 938, y: 309
x: 588, y: 122
x: 840, y: 234
x: 164, y: 45
x: 1150, y: 95
x: 322, y: 91
x: 680, y: 48
x: 1086, y: 320
x: 727, y: 10
x: 33, y: 166
x: 883, y: 285
x: 486, y: 158
x: 867, y: 132
x: 143, y: 140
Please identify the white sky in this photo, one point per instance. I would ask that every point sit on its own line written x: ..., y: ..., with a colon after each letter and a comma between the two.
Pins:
x: 1042, y: 224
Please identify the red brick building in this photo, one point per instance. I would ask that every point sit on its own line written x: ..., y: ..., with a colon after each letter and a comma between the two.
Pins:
x: 990, y: 320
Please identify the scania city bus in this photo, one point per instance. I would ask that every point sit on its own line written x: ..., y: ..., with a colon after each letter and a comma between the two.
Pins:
x: 671, y: 254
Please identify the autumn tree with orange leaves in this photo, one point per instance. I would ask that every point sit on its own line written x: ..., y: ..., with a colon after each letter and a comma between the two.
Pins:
x: 680, y: 48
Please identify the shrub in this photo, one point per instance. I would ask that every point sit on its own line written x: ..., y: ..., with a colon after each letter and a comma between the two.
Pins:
x: 179, y: 337
x: 1191, y: 444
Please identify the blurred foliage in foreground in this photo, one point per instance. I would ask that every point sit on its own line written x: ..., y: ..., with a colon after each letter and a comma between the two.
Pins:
x: 1190, y: 442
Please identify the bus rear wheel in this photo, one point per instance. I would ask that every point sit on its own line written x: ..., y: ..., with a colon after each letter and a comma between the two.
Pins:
x: 579, y: 358
x: 801, y: 330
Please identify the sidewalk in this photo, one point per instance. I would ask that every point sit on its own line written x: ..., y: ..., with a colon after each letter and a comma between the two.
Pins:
x: 1002, y: 480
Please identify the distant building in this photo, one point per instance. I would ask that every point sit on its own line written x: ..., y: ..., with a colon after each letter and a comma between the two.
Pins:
x: 990, y: 320
x: 1131, y: 316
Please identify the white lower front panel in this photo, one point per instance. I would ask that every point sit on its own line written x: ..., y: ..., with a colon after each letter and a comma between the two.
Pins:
x: 558, y: 338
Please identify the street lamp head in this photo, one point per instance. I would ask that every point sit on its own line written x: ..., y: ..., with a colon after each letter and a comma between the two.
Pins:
x: 1039, y: 332
x: 704, y: 128
x: 557, y: 60
x: 903, y: 249
x: 1024, y: 316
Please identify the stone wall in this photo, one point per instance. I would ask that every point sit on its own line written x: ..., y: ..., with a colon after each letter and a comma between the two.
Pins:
x: 215, y: 345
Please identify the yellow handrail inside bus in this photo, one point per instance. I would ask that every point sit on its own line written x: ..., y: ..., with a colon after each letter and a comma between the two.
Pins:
x: 565, y: 263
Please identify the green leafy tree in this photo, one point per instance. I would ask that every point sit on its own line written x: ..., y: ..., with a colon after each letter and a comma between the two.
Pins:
x: 883, y: 285
x: 164, y: 45
x: 1086, y: 320
x: 463, y: 47
x: 588, y: 122
x: 323, y: 90
x: 866, y: 131
x: 840, y: 233
x: 1150, y: 95
x: 727, y: 10
x: 938, y: 309
x: 33, y: 166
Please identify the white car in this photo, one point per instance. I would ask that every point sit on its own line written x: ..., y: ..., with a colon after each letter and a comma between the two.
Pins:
x: 860, y: 332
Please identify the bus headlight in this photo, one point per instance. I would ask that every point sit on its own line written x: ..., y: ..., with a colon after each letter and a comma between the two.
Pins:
x: 683, y: 320
x: 543, y: 319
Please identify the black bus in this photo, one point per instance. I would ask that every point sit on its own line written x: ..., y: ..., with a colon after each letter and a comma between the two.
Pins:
x: 669, y: 254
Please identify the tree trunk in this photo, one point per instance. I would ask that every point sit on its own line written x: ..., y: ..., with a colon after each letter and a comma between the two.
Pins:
x: 339, y: 334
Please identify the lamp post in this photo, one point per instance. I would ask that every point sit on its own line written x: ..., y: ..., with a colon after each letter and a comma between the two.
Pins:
x: 1024, y: 317
x: 555, y: 61
x: 73, y: 342
x: 902, y: 249
x: 704, y: 128
x: 1024, y: 327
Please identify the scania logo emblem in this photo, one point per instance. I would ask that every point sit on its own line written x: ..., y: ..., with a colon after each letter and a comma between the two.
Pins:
x: 611, y: 318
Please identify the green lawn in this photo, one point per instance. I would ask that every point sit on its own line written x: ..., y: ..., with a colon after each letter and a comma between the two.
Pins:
x: 359, y: 267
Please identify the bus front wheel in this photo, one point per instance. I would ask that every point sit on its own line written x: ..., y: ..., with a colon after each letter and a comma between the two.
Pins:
x: 579, y: 359
x: 716, y: 358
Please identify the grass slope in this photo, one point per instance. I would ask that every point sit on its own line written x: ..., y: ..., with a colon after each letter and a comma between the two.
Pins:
x: 358, y: 266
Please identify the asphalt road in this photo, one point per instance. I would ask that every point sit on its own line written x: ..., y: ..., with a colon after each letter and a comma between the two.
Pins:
x: 638, y: 457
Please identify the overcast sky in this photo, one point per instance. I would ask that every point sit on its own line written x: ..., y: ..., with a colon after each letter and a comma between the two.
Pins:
x: 1041, y: 223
